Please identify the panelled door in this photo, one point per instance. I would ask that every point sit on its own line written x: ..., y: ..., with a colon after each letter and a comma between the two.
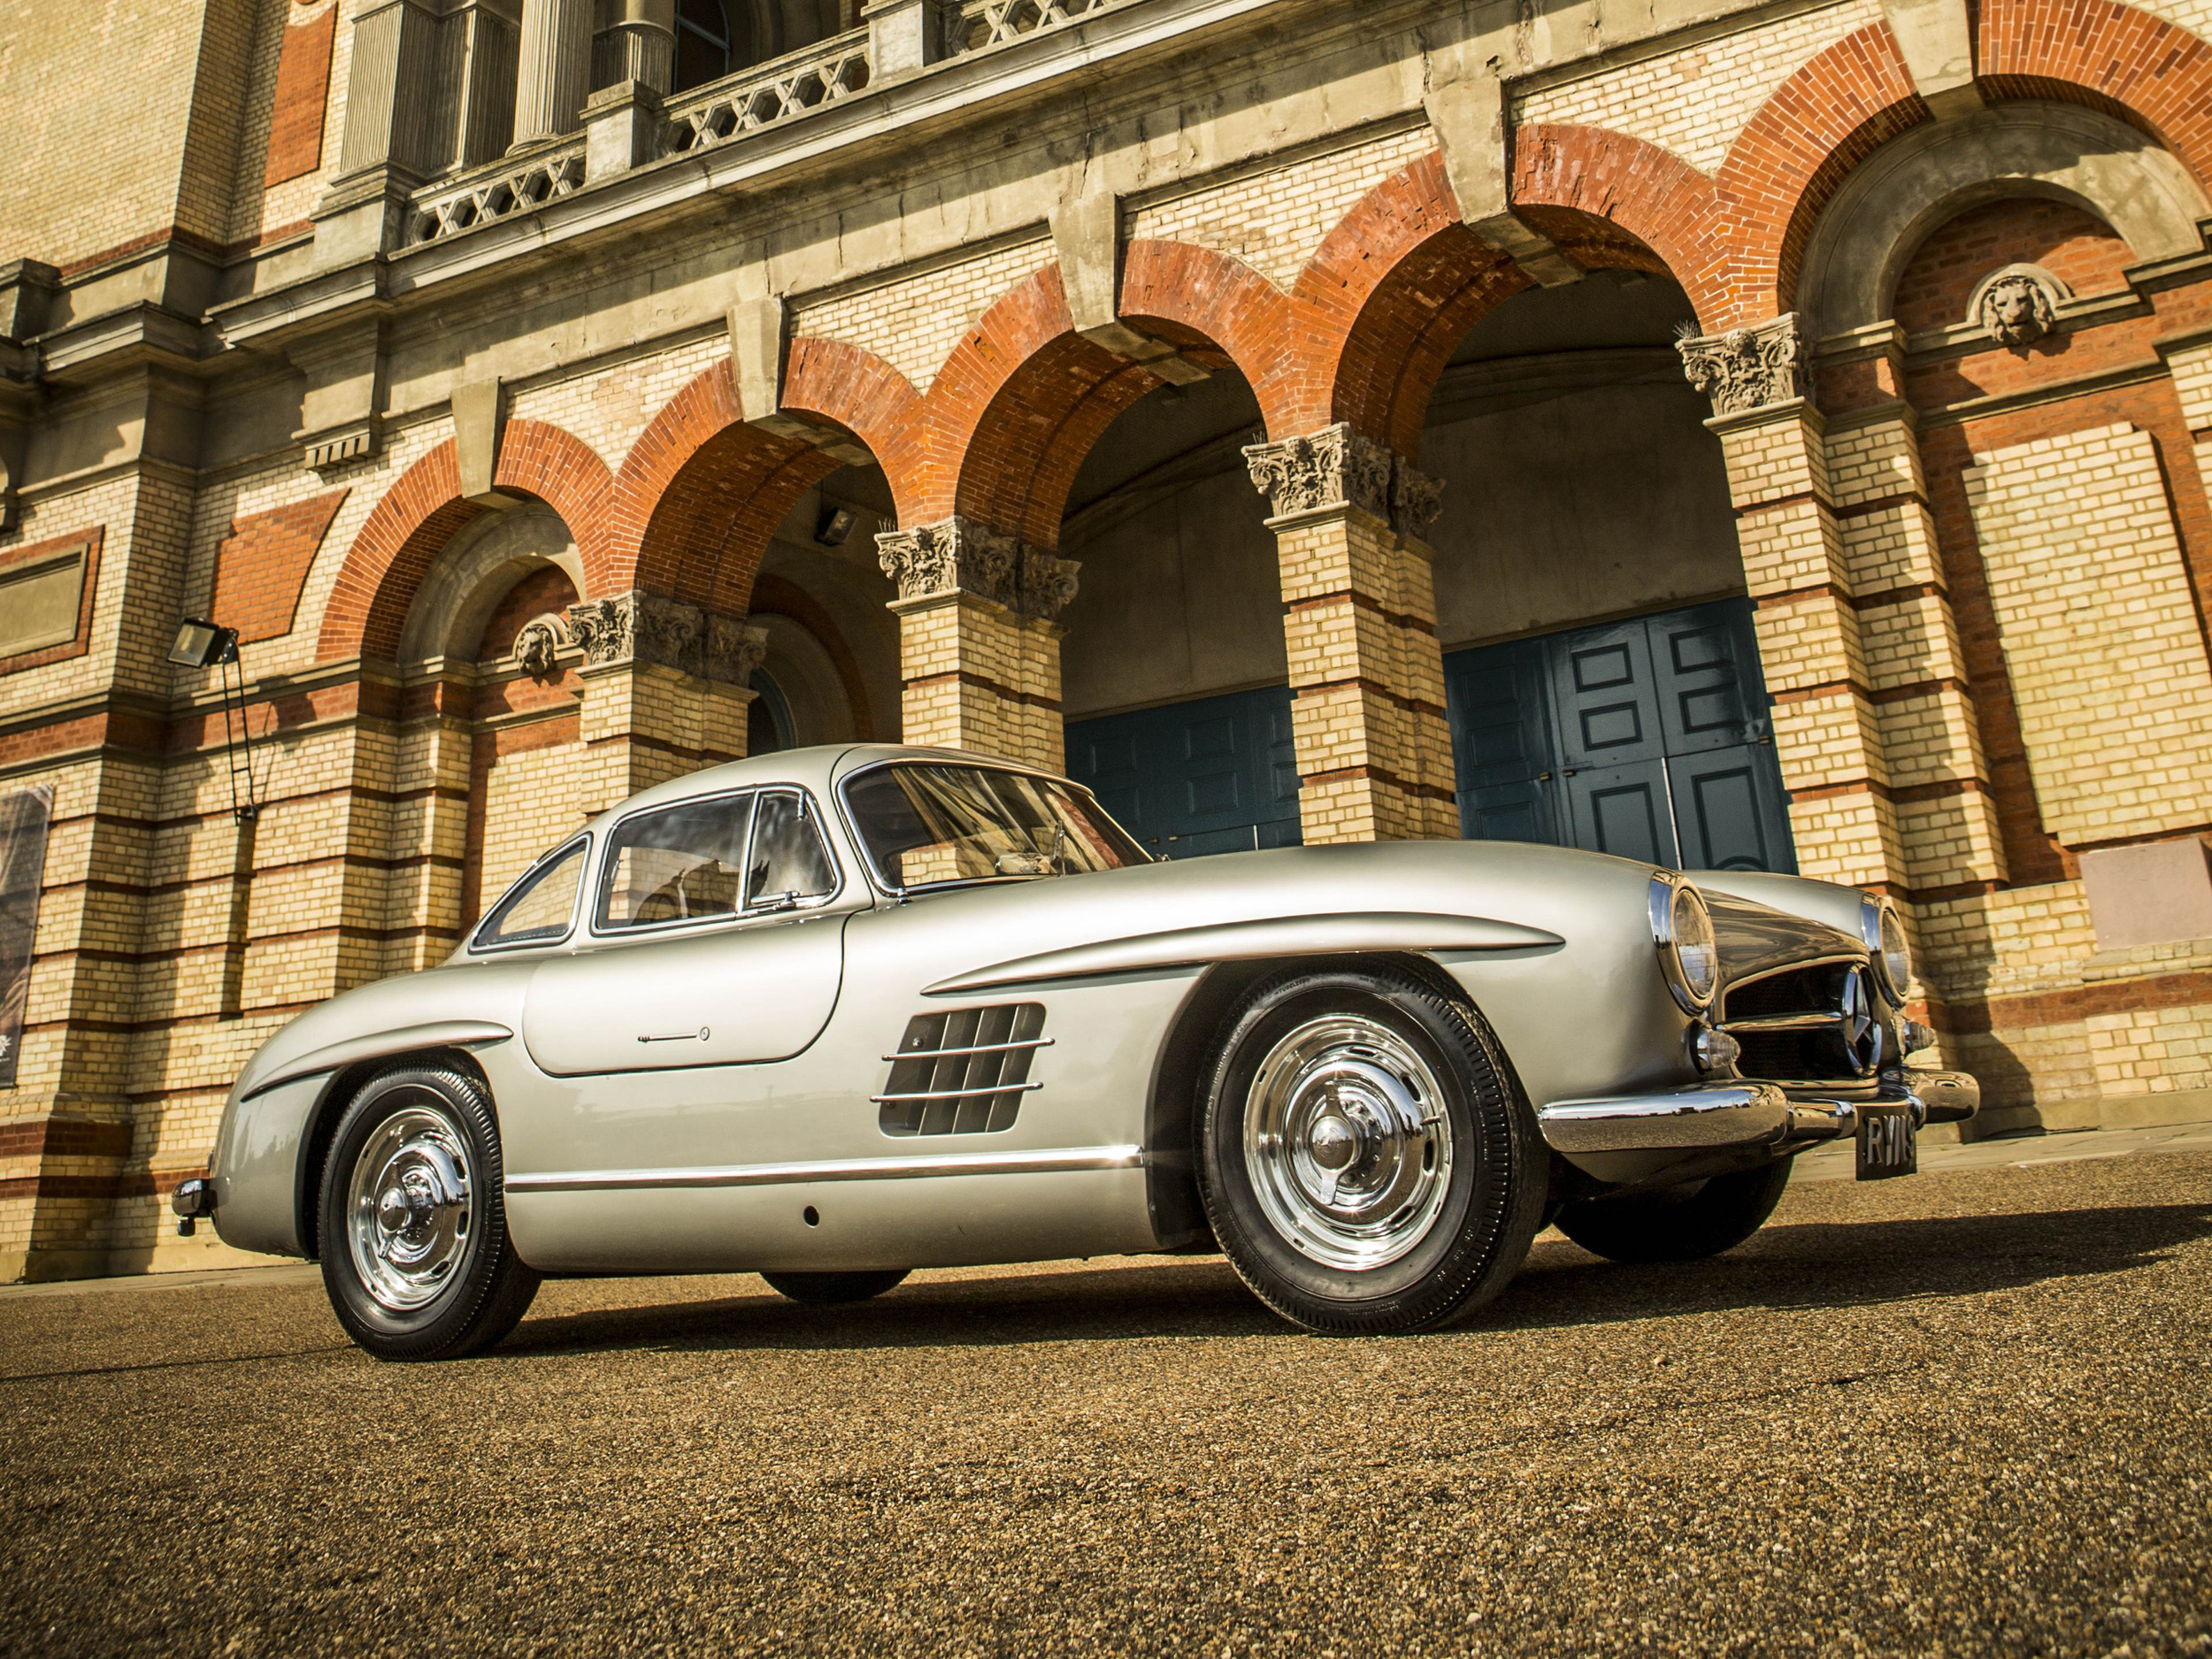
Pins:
x: 1214, y: 775
x: 1648, y: 739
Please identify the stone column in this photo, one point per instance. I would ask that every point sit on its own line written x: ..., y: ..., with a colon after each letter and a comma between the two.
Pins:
x: 640, y: 46
x: 1359, y: 618
x: 1826, y: 732
x: 664, y: 690
x: 556, y: 69
x: 979, y: 640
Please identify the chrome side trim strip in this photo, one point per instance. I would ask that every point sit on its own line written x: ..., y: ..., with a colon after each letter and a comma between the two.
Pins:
x: 955, y: 1094
x: 1056, y: 1161
x: 980, y: 1047
x: 439, y: 1034
x: 1327, y: 934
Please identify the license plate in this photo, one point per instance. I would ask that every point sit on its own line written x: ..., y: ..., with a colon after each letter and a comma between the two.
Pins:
x: 1889, y: 1141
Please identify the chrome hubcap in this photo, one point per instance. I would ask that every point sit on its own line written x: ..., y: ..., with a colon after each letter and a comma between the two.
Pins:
x: 1347, y: 1142
x: 410, y: 1208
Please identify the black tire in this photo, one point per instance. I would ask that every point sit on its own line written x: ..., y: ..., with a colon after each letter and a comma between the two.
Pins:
x: 827, y: 1289
x: 410, y: 1132
x: 1458, y: 1199
x: 1678, y: 1224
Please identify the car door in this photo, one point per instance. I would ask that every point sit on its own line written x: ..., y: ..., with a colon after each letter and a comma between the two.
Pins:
x: 715, y: 951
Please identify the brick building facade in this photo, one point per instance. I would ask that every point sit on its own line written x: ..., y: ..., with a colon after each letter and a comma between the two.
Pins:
x: 557, y: 396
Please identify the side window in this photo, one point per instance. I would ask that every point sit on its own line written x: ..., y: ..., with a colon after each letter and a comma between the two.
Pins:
x: 537, y: 909
x: 678, y: 865
x: 790, y: 862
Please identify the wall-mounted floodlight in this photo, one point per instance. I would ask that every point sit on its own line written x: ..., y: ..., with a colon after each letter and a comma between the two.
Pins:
x: 203, y: 644
x: 836, y: 524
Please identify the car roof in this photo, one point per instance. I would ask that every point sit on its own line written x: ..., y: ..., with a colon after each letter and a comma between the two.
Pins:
x: 818, y: 769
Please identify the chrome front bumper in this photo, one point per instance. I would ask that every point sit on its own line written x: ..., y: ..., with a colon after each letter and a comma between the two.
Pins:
x: 1681, y: 1134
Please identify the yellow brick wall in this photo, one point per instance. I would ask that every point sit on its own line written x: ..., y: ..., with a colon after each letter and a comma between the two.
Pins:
x: 981, y: 678
x: 1274, y: 219
x: 1694, y: 100
x: 71, y: 74
x: 914, y: 321
x: 2099, y: 633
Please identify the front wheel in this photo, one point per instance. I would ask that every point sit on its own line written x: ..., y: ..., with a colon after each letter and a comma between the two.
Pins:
x: 1366, y: 1158
x: 415, y: 1251
x: 828, y: 1289
x: 1678, y: 1224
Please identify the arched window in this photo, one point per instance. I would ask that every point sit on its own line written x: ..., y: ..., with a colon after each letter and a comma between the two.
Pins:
x: 703, y: 45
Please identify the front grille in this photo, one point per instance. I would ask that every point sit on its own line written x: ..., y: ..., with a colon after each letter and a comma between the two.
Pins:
x: 1809, y: 1025
x: 962, y: 1073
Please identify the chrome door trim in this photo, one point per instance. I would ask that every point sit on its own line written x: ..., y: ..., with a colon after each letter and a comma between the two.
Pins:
x: 1055, y: 1161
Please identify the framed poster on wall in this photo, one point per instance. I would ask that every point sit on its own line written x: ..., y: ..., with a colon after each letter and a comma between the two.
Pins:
x: 25, y: 815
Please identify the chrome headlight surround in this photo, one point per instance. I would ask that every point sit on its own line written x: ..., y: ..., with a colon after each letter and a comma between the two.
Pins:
x: 1888, y: 946
x: 1689, y: 952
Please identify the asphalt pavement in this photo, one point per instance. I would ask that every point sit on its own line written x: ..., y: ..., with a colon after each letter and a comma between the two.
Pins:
x: 1967, y: 1413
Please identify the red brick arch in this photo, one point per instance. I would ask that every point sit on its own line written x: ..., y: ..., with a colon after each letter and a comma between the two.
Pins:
x: 701, y: 492
x: 1015, y: 409
x: 1609, y: 200
x: 1383, y: 302
x: 420, y: 513
x: 2112, y: 57
x: 1218, y: 310
x: 1836, y: 110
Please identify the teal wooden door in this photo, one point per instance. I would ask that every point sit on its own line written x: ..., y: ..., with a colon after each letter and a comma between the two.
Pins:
x: 1646, y: 739
x: 1214, y: 775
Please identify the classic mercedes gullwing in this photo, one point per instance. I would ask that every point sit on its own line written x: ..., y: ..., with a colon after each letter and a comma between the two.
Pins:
x: 835, y: 1014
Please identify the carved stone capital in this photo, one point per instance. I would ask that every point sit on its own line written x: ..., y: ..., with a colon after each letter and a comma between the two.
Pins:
x: 1747, y: 368
x: 958, y: 556
x: 1047, y: 582
x: 1338, y: 467
x: 645, y: 628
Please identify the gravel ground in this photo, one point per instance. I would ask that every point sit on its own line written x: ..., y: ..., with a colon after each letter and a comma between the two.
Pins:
x: 1968, y: 1413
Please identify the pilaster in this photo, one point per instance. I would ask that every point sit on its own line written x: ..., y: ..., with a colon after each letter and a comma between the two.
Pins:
x: 1827, y: 734
x: 979, y: 640
x: 1359, y: 620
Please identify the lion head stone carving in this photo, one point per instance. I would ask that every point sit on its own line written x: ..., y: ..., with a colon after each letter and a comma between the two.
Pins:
x: 2018, y: 308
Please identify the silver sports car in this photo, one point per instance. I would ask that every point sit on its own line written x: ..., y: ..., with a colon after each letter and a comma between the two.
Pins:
x: 832, y: 1015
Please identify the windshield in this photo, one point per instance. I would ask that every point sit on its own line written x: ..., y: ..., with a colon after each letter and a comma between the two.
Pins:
x: 925, y: 823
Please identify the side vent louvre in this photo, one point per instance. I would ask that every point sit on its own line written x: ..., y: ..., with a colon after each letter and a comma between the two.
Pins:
x: 962, y: 1073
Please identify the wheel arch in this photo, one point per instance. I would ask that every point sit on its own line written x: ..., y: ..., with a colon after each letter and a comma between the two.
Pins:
x: 345, y: 1087
x: 1185, y: 1059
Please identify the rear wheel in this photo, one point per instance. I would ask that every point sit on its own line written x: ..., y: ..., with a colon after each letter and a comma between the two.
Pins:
x: 824, y: 1289
x: 1678, y: 1224
x: 415, y: 1251
x: 1367, y: 1161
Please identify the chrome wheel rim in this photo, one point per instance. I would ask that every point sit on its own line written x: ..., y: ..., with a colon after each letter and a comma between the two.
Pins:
x: 1348, y: 1144
x: 410, y: 1207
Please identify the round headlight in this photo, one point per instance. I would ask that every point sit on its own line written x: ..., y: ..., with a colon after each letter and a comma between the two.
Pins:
x: 1882, y: 929
x: 1688, y: 952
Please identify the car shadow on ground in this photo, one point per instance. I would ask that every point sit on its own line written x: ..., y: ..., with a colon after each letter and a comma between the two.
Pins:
x: 1809, y: 1265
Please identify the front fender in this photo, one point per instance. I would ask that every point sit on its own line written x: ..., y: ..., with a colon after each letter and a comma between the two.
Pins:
x: 256, y: 1168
